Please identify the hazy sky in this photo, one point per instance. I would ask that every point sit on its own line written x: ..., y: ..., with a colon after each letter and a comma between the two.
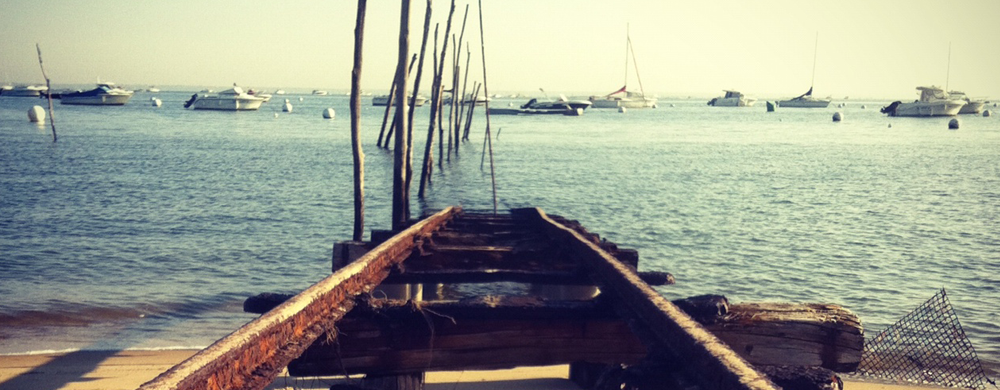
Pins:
x: 867, y: 48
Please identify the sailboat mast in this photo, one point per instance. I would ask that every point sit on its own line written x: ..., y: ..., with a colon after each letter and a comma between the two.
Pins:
x: 636, y: 63
x: 947, y: 78
x: 815, y: 51
x: 627, y: 43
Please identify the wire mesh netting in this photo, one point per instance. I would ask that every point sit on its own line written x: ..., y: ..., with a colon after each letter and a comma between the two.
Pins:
x: 926, y: 346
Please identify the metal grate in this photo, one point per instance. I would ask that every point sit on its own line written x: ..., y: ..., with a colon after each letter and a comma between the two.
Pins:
x: 926, y: 346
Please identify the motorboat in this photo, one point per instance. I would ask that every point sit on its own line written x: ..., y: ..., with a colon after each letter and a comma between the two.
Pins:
x: 933, y: 101
x: 623, y: 98
x: 106, y: 94
x: 534, y: 106
x: 805, y: 100
x: 383, y: 100
x: 732, y: 99
x: 153, y: 89
x: 479, y: 101
x: 26, y: 91
x: 971, y: 106
x: 320, y: 93
x: 233, y: 99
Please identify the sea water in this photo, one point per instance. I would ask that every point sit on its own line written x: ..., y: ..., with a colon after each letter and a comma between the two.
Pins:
x: 146, y: 227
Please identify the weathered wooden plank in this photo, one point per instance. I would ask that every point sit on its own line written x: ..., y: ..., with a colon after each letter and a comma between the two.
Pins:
x: 252, y: 356
x: 708, y: 359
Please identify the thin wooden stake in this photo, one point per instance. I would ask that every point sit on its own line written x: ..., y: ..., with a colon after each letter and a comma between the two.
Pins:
x: 392, y: 99
x: 359, y: 155
x: 385, y: 117
x: 461, y: 112
x: 413, y: 99
x: 486, y: 91
x: 48, y: 93
x: 454, y: 85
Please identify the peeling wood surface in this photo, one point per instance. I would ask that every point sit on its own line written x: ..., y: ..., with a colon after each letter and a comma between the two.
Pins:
x: 252, y: 356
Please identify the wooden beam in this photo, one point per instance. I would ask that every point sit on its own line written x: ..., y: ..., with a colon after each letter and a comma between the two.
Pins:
x: 252, y: 356
x: 711, y: 362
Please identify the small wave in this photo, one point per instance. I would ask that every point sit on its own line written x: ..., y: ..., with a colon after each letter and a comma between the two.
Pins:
x: 81, y: 316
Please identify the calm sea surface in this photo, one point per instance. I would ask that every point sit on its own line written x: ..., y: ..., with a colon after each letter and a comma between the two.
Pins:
x: 146, y: 228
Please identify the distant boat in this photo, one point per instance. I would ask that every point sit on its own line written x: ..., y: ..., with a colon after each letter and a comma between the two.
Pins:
x: 622, y: 97
x: 233, y: 99
x: 106, y: 94
x: 971, y: 106
x: 933, y: 101
x: 807, y: 100
x: 546, y: 107
x: 479, y: 101
x: 319, y: 92
x: 732, y: 99
x: 153, y: 89
x: 279, y: 92
x: 266, y: 96
x: 26, y: 91
x: 383, y: 100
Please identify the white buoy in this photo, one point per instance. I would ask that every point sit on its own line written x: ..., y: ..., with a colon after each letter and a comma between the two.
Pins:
x: 287, y: 107
x: 953, y: 124
x: 863, y: 106
x: 157, y: 102
x: 837, y: 116
x: 276, y: 115
x: 329, y: 113
x: 622, y: 110
x: 36, y: 114
x: 987, y: 113
x: 300, y: 99
x: 671, y: 105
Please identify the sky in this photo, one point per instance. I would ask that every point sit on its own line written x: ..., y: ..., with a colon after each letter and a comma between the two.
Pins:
x: 863, y: 48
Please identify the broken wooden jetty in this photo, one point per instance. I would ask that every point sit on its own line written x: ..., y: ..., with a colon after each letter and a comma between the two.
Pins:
x: 460, y: 291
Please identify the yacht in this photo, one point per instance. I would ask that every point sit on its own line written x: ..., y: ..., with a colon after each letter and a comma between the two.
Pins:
x: 383, y: 100
x: 106, y: 94
x: 933, y: 101
x: 233, y: 99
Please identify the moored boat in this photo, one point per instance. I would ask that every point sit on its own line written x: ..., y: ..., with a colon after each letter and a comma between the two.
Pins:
x: 623, y: 98
x: 383, y: 100
x: 933, y: 101
x: 805, y: 100
x: 233, y: 99
x: 106, y: 94
x: 562, y: 106
x: 732, y: 99
x: 26, y: 91
x: 971, y: 106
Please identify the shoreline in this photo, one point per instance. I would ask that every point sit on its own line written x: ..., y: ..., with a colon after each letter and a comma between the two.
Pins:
x: 129, y: 369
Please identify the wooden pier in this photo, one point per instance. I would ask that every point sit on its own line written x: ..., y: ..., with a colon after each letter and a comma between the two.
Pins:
x: 554, y: 294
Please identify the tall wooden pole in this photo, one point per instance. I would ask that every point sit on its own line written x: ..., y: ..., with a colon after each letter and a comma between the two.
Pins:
x: 385, y: 117
x: 392, y: 99
x: 465, y: 82
x: 413, y: 100
x: 486, y: 91
x: 359, y: 155
x: 48, y: 93
x: 400, y: 194
x: 454, y: 84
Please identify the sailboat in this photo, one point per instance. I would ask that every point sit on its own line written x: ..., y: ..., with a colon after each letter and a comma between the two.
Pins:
x: 623, y: 98
x: 807, y: 100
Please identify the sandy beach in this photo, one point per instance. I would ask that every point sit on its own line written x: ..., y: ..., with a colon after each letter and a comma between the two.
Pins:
x: 127, y: 370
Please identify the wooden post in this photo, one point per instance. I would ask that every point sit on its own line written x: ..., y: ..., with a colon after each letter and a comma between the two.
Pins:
x: 454, y: 84
x: 413, y: 100
x: 385, y: 117
x: 472, y: 108
x: 359, y: 155
x: 392, y: 100
x: 486, y: 92
x: 400, y: 194
x: 461, y: 113
x: 48, y: 93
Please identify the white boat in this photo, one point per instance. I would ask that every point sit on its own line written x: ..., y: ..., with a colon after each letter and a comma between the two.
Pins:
x: 233, y: 99
x: 383, y: 100
x: 26, y: 91
x: 732, y: 99
x: 106, y: 94
x: 623, y: 97
x: 266, y: 96
x: 971, y: 106
x: 807, y: 100
x: 933, y: 101
x: 153, y: 89
x: 562, y: 106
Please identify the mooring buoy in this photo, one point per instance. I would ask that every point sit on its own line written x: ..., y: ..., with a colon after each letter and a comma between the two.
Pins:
x: 622, y: 110
x: 287, y: 107
x: 36, y: 114
x: 837, y: 116
x: 157, y: 102
x: 987, y: 113
x: 329, y: 113
x: 953, y: 124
